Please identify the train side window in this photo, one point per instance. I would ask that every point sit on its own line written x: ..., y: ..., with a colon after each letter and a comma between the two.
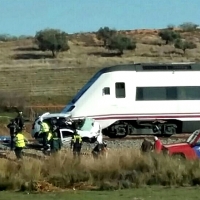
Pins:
x: 171, y: 93
x: 192, y: 92
x: 150, y: 93
x: 168, y: 93
x: 120, y: 90
x: 139, y: 94
x: 154, y: 93
x: 106, y: 91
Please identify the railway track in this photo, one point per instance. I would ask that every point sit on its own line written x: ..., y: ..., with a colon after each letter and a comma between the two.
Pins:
x: 133, y: 137
x: 140, y: 137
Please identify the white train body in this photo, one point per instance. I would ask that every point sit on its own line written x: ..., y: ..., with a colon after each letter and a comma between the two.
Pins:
x: 128, y: 98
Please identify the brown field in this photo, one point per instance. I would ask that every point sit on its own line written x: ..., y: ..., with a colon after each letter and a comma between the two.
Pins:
x: 33, y: 77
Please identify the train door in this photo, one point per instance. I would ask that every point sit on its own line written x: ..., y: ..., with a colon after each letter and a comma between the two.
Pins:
x: 120, y: 97
x: 107, y: 99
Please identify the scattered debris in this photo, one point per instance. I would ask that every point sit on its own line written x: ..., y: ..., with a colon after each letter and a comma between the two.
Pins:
x: 40, y: 186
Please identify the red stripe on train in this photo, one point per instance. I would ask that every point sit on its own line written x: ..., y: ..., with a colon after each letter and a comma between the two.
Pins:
x: 143, y: 117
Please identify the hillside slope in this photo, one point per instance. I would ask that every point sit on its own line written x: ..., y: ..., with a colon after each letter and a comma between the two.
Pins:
x: 42, y: 80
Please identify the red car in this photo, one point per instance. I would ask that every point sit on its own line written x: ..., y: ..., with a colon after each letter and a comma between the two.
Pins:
x: 190, y: 149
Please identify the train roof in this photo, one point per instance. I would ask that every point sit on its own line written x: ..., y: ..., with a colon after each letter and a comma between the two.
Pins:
x: 153, y: 67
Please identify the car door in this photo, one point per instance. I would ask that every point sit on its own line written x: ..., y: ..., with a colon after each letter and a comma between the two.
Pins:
x: 66, y: 135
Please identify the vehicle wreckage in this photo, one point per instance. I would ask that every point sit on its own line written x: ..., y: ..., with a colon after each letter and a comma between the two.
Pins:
x: 190, y: 149
x: 88, y: 128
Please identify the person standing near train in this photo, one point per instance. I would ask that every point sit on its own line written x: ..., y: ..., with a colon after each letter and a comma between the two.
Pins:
x: 157, y: 145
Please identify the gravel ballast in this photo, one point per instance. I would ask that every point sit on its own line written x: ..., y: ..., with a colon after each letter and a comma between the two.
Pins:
x: 111, y: 144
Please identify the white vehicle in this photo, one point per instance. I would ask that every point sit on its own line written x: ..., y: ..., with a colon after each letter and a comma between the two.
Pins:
x: 134, y: 98
x: 90, y: 130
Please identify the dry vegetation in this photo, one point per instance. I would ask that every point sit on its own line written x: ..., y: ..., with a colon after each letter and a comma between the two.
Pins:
x: 42, y: 80
x: 125, y: 169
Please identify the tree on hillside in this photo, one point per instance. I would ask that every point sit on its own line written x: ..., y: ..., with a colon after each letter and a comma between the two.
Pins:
x: 7, y: 37
x: 121, y: 43
x: 180, y: 44
x: 188, y: 26
x: 105, y: 34
x: 169, y: 35
x: 170, y: 26
x: 52, y: 40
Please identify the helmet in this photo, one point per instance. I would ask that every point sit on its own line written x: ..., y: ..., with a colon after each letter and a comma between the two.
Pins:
x: 155, y: 138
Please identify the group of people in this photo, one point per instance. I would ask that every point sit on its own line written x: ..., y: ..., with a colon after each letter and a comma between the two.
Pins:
x: 50, y: 134
x: 16, y: 127
x: 50, y: 137
x: 76, y: 145
x: 148, y: 146
x: 52, y: 142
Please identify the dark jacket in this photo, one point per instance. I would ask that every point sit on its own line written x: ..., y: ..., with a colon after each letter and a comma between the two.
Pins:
x: 56, y: 142
x: 13, y: 127
x: 76, y: 141
x: 20, y: 121
x: 146, y: 146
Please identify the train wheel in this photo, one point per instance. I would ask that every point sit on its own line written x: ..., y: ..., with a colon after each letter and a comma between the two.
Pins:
x: 169, y: 130
x: 118, y: 130
x: 117, y: 134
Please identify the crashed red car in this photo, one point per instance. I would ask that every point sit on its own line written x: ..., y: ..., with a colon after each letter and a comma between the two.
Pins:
x: 190, y: 149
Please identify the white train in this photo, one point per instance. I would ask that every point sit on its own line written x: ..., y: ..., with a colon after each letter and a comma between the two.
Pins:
x: 141, y: 99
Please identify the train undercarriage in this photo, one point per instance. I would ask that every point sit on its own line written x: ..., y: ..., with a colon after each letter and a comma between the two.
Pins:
x: 164, y: 128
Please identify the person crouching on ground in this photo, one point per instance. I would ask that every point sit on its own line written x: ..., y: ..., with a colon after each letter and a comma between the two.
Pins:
x: 157, y: 145
x: 147, y: 146
x: 19, y: 143
x: 99, y: 149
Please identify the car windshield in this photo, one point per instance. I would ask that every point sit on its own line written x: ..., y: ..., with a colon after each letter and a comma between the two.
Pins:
x: 192, y: 137
x: 88, y: 124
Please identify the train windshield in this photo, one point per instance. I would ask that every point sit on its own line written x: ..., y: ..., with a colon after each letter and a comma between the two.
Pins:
x: 193, y: 137
x: 88, y: 124
x: 71, y: 106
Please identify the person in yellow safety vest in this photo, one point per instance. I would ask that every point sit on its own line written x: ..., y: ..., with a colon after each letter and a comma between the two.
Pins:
x: 48, y: 142
x: 19, y: 143
x: 45, y: 132
x: 76, y: 143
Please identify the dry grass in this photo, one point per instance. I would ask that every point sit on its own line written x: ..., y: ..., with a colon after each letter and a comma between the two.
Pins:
x: 122, y: 169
